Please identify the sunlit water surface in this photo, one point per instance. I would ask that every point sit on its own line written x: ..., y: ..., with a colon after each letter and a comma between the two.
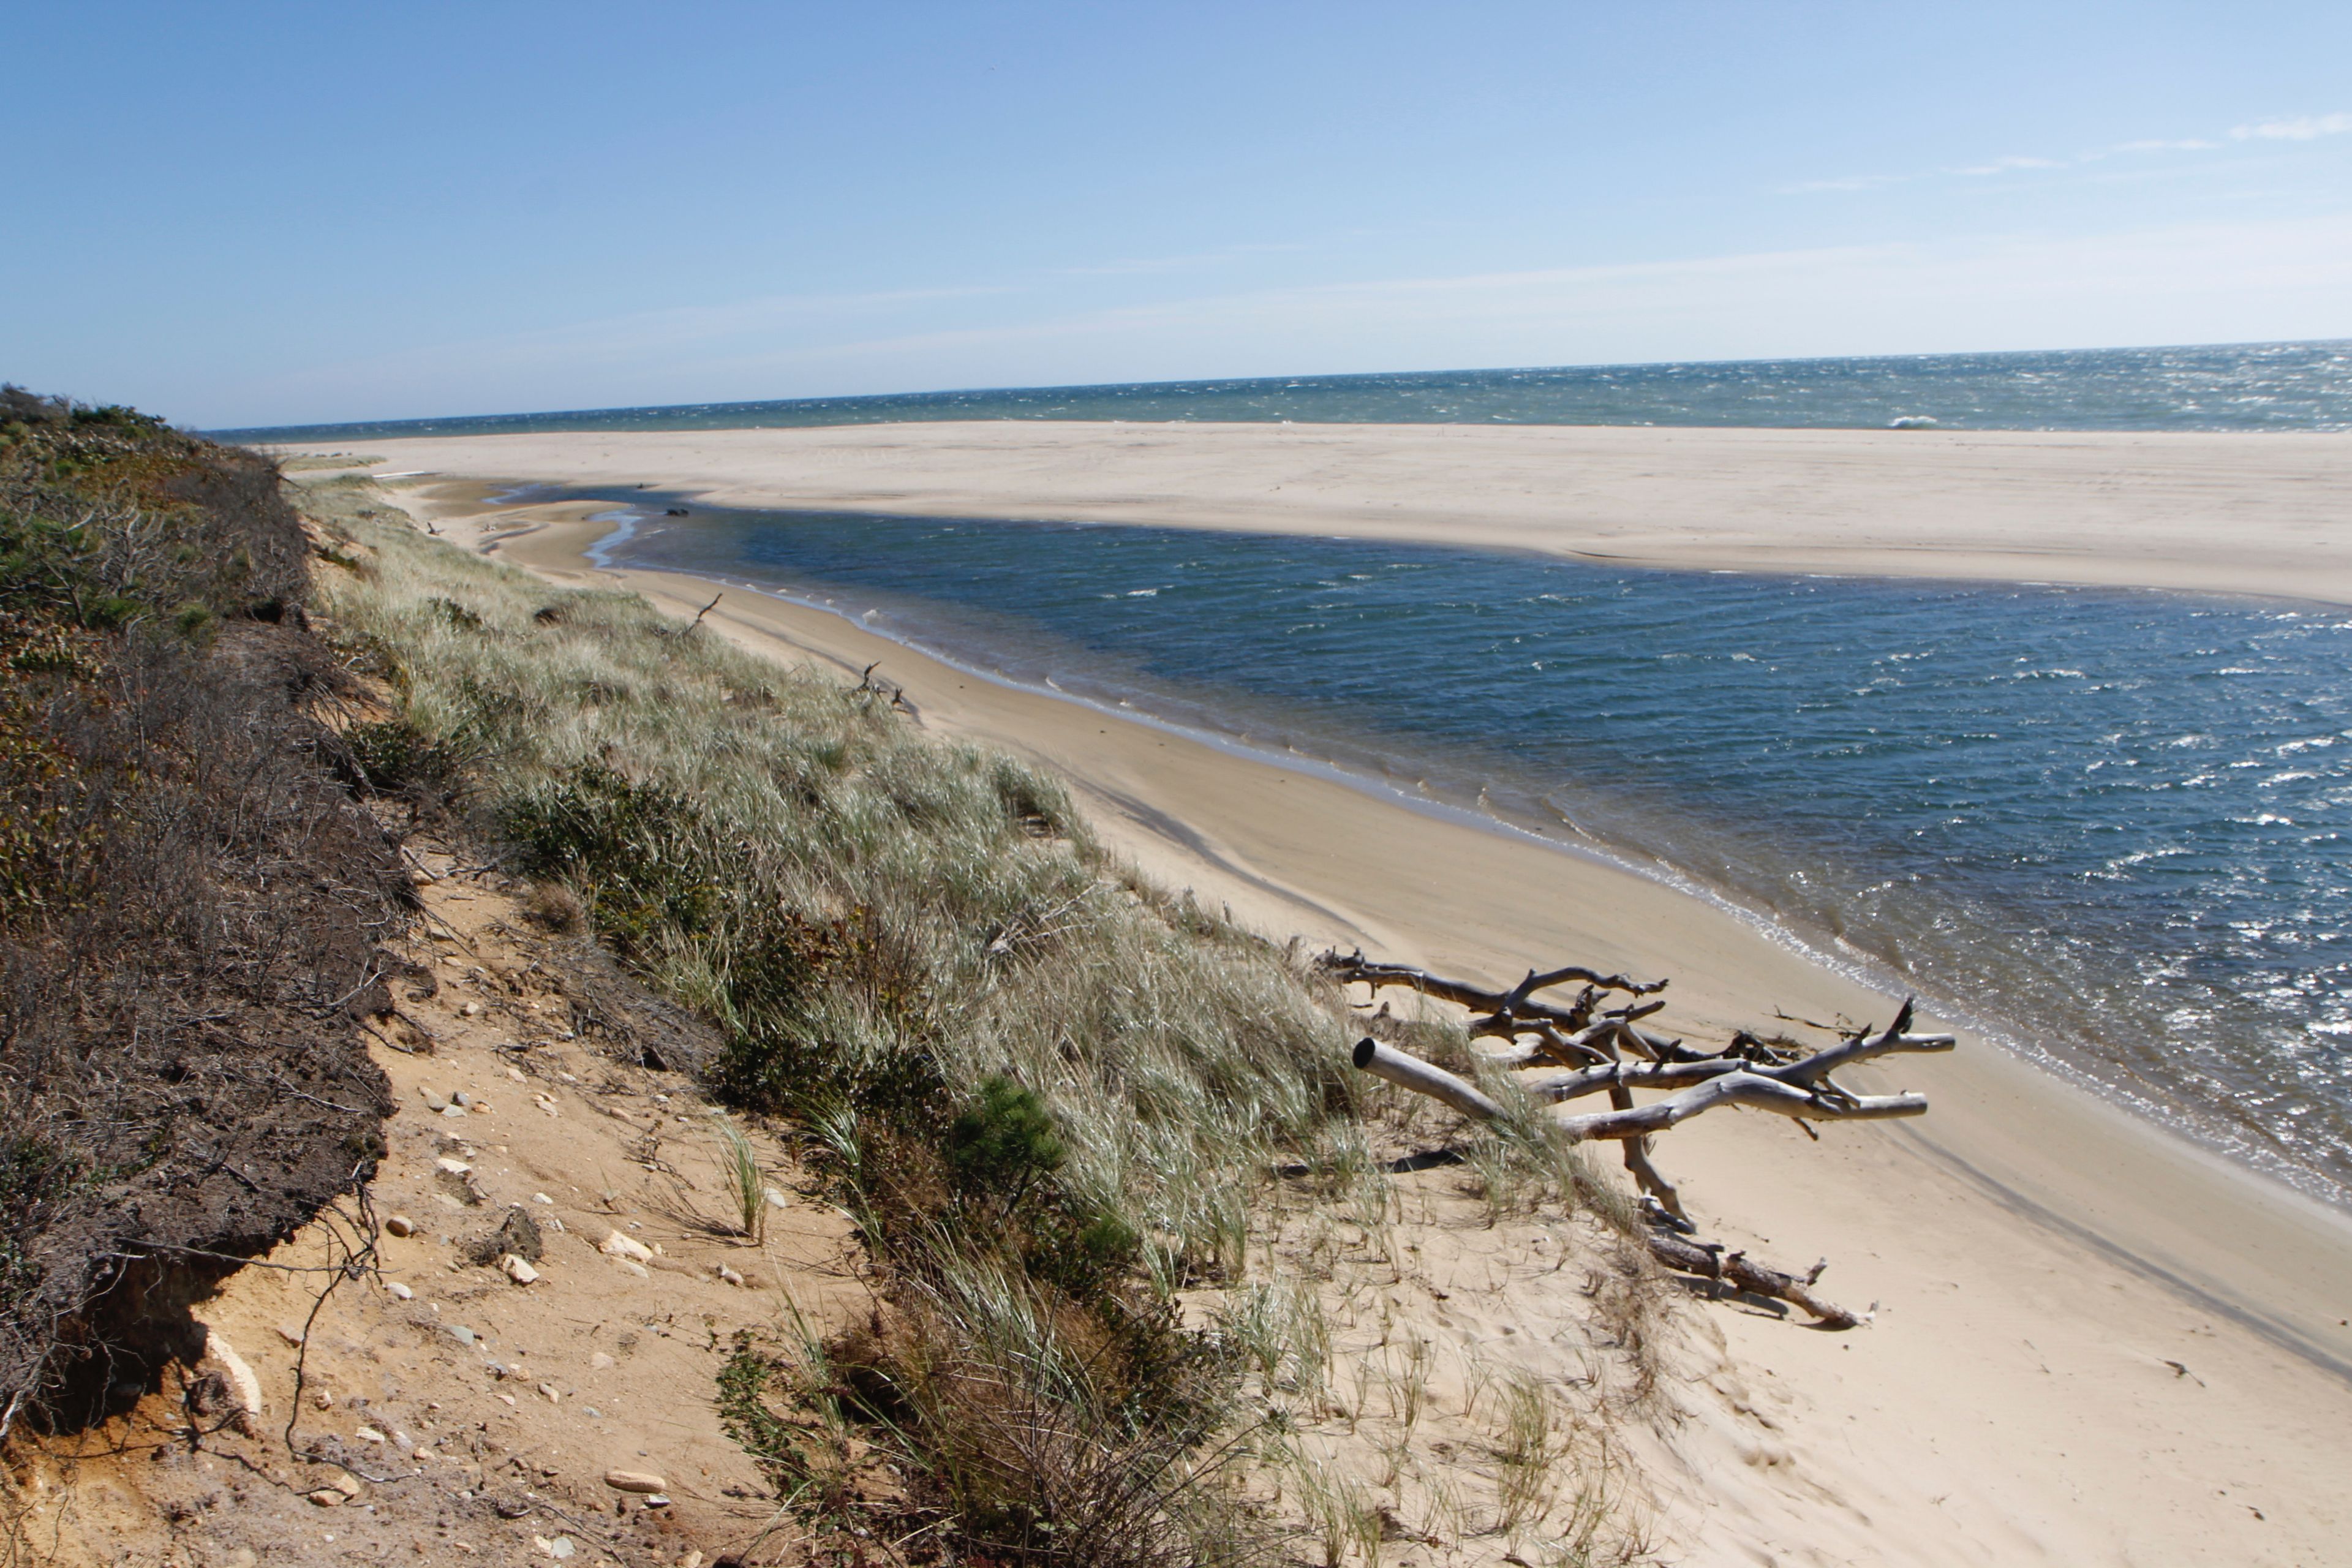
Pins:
x: 2108, y: 823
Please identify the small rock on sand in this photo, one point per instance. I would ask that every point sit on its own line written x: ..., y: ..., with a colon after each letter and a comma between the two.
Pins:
x: 398, y: 1292
x: 519, y: 1272
x: 636, y: 1481
x: 400, y: 1224
x: 619, y: 1246
x: 600, y: 1361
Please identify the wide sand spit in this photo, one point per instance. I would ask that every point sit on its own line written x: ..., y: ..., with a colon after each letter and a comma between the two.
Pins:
x: 2094, y: 1343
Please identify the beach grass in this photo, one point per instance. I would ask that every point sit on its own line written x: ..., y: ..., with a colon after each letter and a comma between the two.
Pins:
x: 1051, y: 1093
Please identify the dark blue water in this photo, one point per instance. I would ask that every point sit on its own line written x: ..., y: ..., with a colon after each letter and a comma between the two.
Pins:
x: 2111, y: 823
x: 2244, y: 387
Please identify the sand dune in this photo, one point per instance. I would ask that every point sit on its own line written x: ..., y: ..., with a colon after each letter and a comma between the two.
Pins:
x: 2094, y: 1343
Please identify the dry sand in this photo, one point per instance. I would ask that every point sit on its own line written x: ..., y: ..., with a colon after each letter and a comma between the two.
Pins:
x: 2092, y: 1344
x: 2262, y: 514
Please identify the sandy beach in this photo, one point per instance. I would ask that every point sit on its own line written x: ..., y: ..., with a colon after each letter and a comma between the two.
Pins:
x: 2092, y: 1342
x: 2258, y: 514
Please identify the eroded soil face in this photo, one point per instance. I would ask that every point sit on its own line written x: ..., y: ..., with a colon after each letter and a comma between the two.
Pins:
x: 438, y: 1404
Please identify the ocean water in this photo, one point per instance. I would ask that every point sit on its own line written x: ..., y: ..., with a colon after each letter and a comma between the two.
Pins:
x: 2109, y: 827
x: 2243, y: 386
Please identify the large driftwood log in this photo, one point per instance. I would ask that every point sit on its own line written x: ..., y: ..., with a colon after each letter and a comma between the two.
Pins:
x: 1556, y: 1055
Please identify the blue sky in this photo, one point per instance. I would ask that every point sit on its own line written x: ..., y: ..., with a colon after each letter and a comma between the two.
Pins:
x: 248, y: 213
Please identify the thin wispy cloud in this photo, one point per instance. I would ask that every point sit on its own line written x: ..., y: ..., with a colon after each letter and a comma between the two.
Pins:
x: 2308, y: 128
x: 2006, y: 165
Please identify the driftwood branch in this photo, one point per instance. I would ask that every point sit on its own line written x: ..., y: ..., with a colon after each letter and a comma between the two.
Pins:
x: 1557, y: 1055
x: 1736, y: 1269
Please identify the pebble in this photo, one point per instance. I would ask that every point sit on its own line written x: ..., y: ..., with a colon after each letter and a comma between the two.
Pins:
x: 519, y: 1272
x: 470, y: 1010
x: 635, y: 1482
x: 454, y: 1167
x: 434, y: 1100
x: 464, y: 1336
x: 453, y: 1111
x: 559, y: 1548
x: 777, y: 1200
x: 516, y: 1074
x: 399, y: 1293
x: 636, y: 1267
x: 540, y: 1198
x: 727, y: 1274
x: 400, y: 1224
x: 461, y: 1098
x: 291, y: 1335
x: 507, y: 1397
x: 323, y: 1399
x: 619, y: 1246
x: 551, y: 1393
x: 593, y: 1414
x: 600, y: 1362
x: 369, y: 1435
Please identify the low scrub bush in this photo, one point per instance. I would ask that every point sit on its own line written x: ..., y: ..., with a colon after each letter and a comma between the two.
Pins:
x: 189, y: 899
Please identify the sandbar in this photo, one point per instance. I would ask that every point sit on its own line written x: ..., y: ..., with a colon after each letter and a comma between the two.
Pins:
x: 2253, y: 513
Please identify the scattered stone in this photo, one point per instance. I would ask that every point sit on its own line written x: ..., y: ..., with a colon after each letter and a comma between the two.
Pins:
x: 519, y: 1272
x: 464, y: 1336
x: 619, y: 1246
x: 727, y: 1274
x: 540, y: 1198
x: 636, y: 1267
x: 636, y: 1481
x: 291, y: 1334
x: 507, y: 1397
x: 452, y: 1112
x: 454, y: 1167
x: 461, y: 1098
x: 400, y: 1224
x: 244, y: 1388
x: 559, y: 1548
x: 433, y: 1099
x: 552, y: 1395
x: 517, y: 1235
x: 398, y: 1292
x: 323, y: 1398
x: 601, y: 1361
x: 370, y: 1435
x: 470, y: 1010
x: 593, y: 1414
x: 328, y: 1497
x: 777, y: 1200
x: 516, y: 1074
